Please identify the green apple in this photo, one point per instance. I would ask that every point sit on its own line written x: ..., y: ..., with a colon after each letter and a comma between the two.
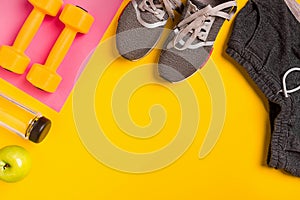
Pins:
x: 15, y: 163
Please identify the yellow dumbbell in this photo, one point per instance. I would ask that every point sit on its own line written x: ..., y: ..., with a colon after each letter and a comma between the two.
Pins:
x: 13, y: 57
x: 76, y: 20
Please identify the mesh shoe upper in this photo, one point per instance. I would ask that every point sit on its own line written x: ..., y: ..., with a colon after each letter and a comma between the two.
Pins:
x: 141, y: 24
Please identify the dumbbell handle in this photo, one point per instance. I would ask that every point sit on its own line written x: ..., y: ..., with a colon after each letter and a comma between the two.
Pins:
x: 32, y: 23
x: 60, y: 48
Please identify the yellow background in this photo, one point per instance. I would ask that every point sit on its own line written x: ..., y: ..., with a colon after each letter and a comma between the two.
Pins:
x: 235, y: 169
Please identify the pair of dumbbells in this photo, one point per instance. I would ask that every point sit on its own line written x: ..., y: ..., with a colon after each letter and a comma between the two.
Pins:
x: 14, y: 59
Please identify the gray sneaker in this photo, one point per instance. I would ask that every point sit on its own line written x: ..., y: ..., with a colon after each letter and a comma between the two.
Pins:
x: 190, y: 44
x: 141, y: 24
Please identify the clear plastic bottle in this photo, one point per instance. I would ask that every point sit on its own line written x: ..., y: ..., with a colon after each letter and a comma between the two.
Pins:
x: 23, y: 121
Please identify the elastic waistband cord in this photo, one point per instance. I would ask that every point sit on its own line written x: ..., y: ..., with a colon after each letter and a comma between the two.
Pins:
x: 284, y: 89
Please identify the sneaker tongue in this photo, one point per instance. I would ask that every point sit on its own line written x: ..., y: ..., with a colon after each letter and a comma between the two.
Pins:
x: 190, y: 6
x: 149, y: 17
x: 198, y: 3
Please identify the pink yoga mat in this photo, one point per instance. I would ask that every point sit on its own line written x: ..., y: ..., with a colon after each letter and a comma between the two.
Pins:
x: 13, y: 13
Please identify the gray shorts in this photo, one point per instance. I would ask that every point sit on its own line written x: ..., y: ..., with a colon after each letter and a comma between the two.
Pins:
x: 265, y: 40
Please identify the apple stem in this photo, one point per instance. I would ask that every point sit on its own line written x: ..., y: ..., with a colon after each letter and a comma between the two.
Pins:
x: 4, y: 165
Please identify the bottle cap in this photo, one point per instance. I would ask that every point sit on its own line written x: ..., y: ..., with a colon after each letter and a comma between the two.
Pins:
x: 39, y: 130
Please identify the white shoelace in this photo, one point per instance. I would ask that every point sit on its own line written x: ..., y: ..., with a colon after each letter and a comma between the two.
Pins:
x: 284, y: 89
x: 197, y: 24
x: 158, y: 10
